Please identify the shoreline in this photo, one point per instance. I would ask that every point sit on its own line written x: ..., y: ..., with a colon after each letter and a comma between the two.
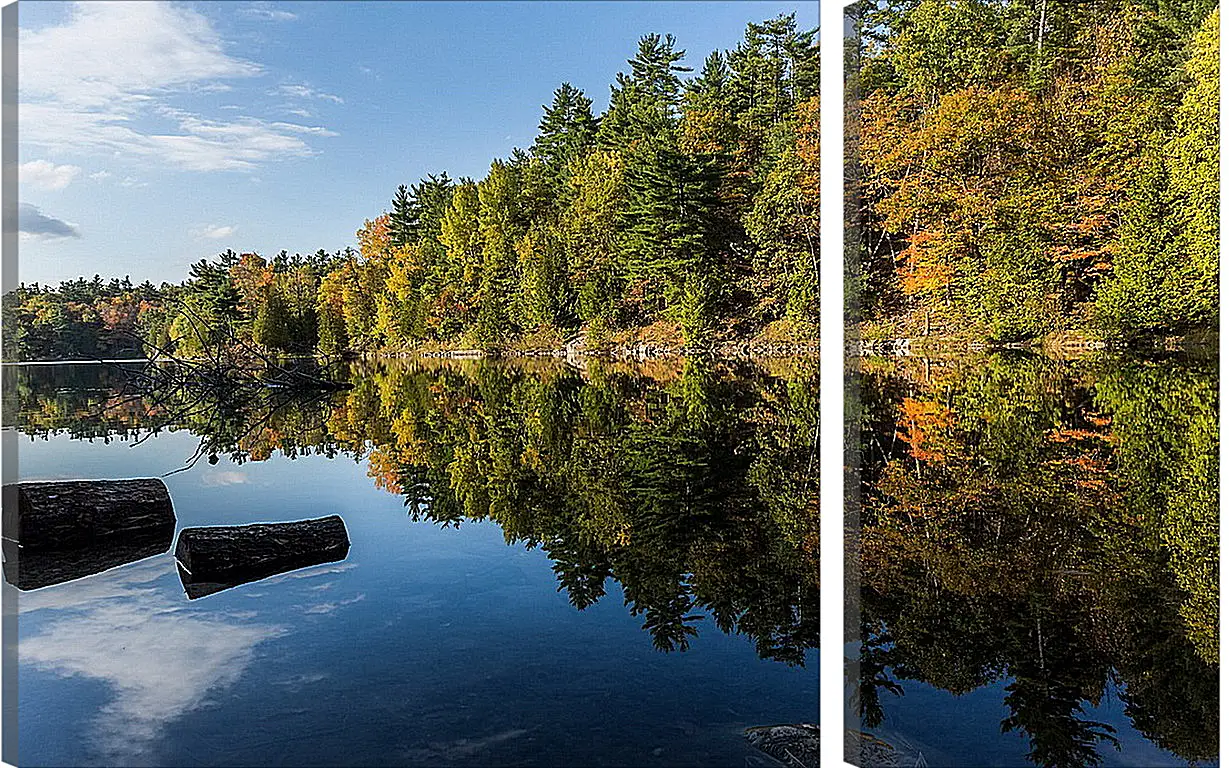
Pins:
x: 740, y: 350
x: 854, y: 348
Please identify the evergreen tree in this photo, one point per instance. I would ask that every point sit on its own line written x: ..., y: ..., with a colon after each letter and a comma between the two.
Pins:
x: 566, y: 131
x: 401, y: 221
x: 272, y: 325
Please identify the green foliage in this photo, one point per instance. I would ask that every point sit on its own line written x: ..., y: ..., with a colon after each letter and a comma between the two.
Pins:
x: 626, y: 221
x: 272, y: 325
x: 1035, y: 166
x: 615, y: 475
x: 567, y: 131
x: 633, y: 221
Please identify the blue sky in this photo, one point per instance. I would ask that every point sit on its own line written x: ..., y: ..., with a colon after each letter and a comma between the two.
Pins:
x: 155, y: 134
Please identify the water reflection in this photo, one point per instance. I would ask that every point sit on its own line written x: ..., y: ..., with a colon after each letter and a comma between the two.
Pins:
x: 122, y: 629
x: 693, y: 485
x: 1045, y: 526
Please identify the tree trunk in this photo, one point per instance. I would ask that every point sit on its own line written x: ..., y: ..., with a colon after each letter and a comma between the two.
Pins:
x: 1041, y: 28
x: 79, y: 513
x: 217, y: 558
x: 60, y: 531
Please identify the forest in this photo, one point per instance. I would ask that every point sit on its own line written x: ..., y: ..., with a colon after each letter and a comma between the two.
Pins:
x: 1029, y: 169
x: 685, y: 214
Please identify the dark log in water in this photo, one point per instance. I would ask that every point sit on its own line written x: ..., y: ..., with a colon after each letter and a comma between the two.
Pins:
x: 79, y: 513
x: 41, y: 568
x: 60, y: 531
x: 217, y: 558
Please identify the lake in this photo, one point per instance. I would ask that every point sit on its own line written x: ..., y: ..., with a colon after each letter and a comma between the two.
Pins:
x: 1035, y: 549
x: 548, y: 566
x: 619, y: 565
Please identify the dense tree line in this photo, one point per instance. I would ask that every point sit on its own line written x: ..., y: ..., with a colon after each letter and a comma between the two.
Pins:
x: 688, y: 212
x: 229, y: 300
x: 691, y: 205
x: 1024, y: 167
x: 79, y: 319
x: 1052, y: 525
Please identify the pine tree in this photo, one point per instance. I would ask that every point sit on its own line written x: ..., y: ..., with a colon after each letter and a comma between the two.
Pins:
x: 669, y: 223
x: 272, y: 326
x: 566, y: 131
x: 711, y: 89
x: 401, y: 223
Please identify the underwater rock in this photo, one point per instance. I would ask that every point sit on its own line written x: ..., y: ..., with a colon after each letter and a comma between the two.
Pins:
x: 795, y: 746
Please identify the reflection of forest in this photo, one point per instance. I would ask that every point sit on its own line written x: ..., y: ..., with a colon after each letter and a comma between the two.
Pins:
x: 694, y: 485
x: 1051, y: 524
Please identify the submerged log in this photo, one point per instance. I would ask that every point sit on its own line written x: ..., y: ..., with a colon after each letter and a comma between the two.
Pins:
x: 41, y: 568
x: 217, y: 558
x: 60, y: 531
x: 78, y: 513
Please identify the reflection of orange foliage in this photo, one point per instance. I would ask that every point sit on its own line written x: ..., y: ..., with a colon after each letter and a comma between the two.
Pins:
x: 924, y: 422
x: 1068, y: 435
x: 384, y: 468
x: 1093, y: 474
x: 1097, y: 420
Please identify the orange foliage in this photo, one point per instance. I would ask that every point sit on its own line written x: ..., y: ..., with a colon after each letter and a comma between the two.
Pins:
x: 924, y: 421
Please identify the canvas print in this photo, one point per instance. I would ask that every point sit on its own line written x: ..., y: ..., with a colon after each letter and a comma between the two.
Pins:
x: 1032, y: 437
x: 425, y: 384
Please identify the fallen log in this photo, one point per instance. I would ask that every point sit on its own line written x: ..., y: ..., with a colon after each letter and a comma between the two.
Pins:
x: 60, y: 531
x: 42, y: 568
x: 69, y: 514
x: 212, y: 559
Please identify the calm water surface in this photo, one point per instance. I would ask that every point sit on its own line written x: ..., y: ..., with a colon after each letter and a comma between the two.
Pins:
x: 547, y: 567
x: 1036, y: 554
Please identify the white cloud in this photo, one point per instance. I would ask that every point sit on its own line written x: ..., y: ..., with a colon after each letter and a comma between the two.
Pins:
x: 215, y: 232
x: 100, y: 175
x: 46, y: 175
x: 95, y: 83
x: 267, y: 12
x: 124, y: 53
x: 328, y: 608
x: 315, y: 130
x: 33, y: 223
x: 222, y: 477
x: 303, y: 91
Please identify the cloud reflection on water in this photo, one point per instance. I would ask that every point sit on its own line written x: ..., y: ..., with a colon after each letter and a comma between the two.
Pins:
x: 161, y: 658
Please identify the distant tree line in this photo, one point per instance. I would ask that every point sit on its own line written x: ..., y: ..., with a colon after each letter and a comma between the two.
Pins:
x: 689, y: 208
x: 689, y: 205
x: 235, y: 298
x: 1022, y: 167
x: 78, y: 319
